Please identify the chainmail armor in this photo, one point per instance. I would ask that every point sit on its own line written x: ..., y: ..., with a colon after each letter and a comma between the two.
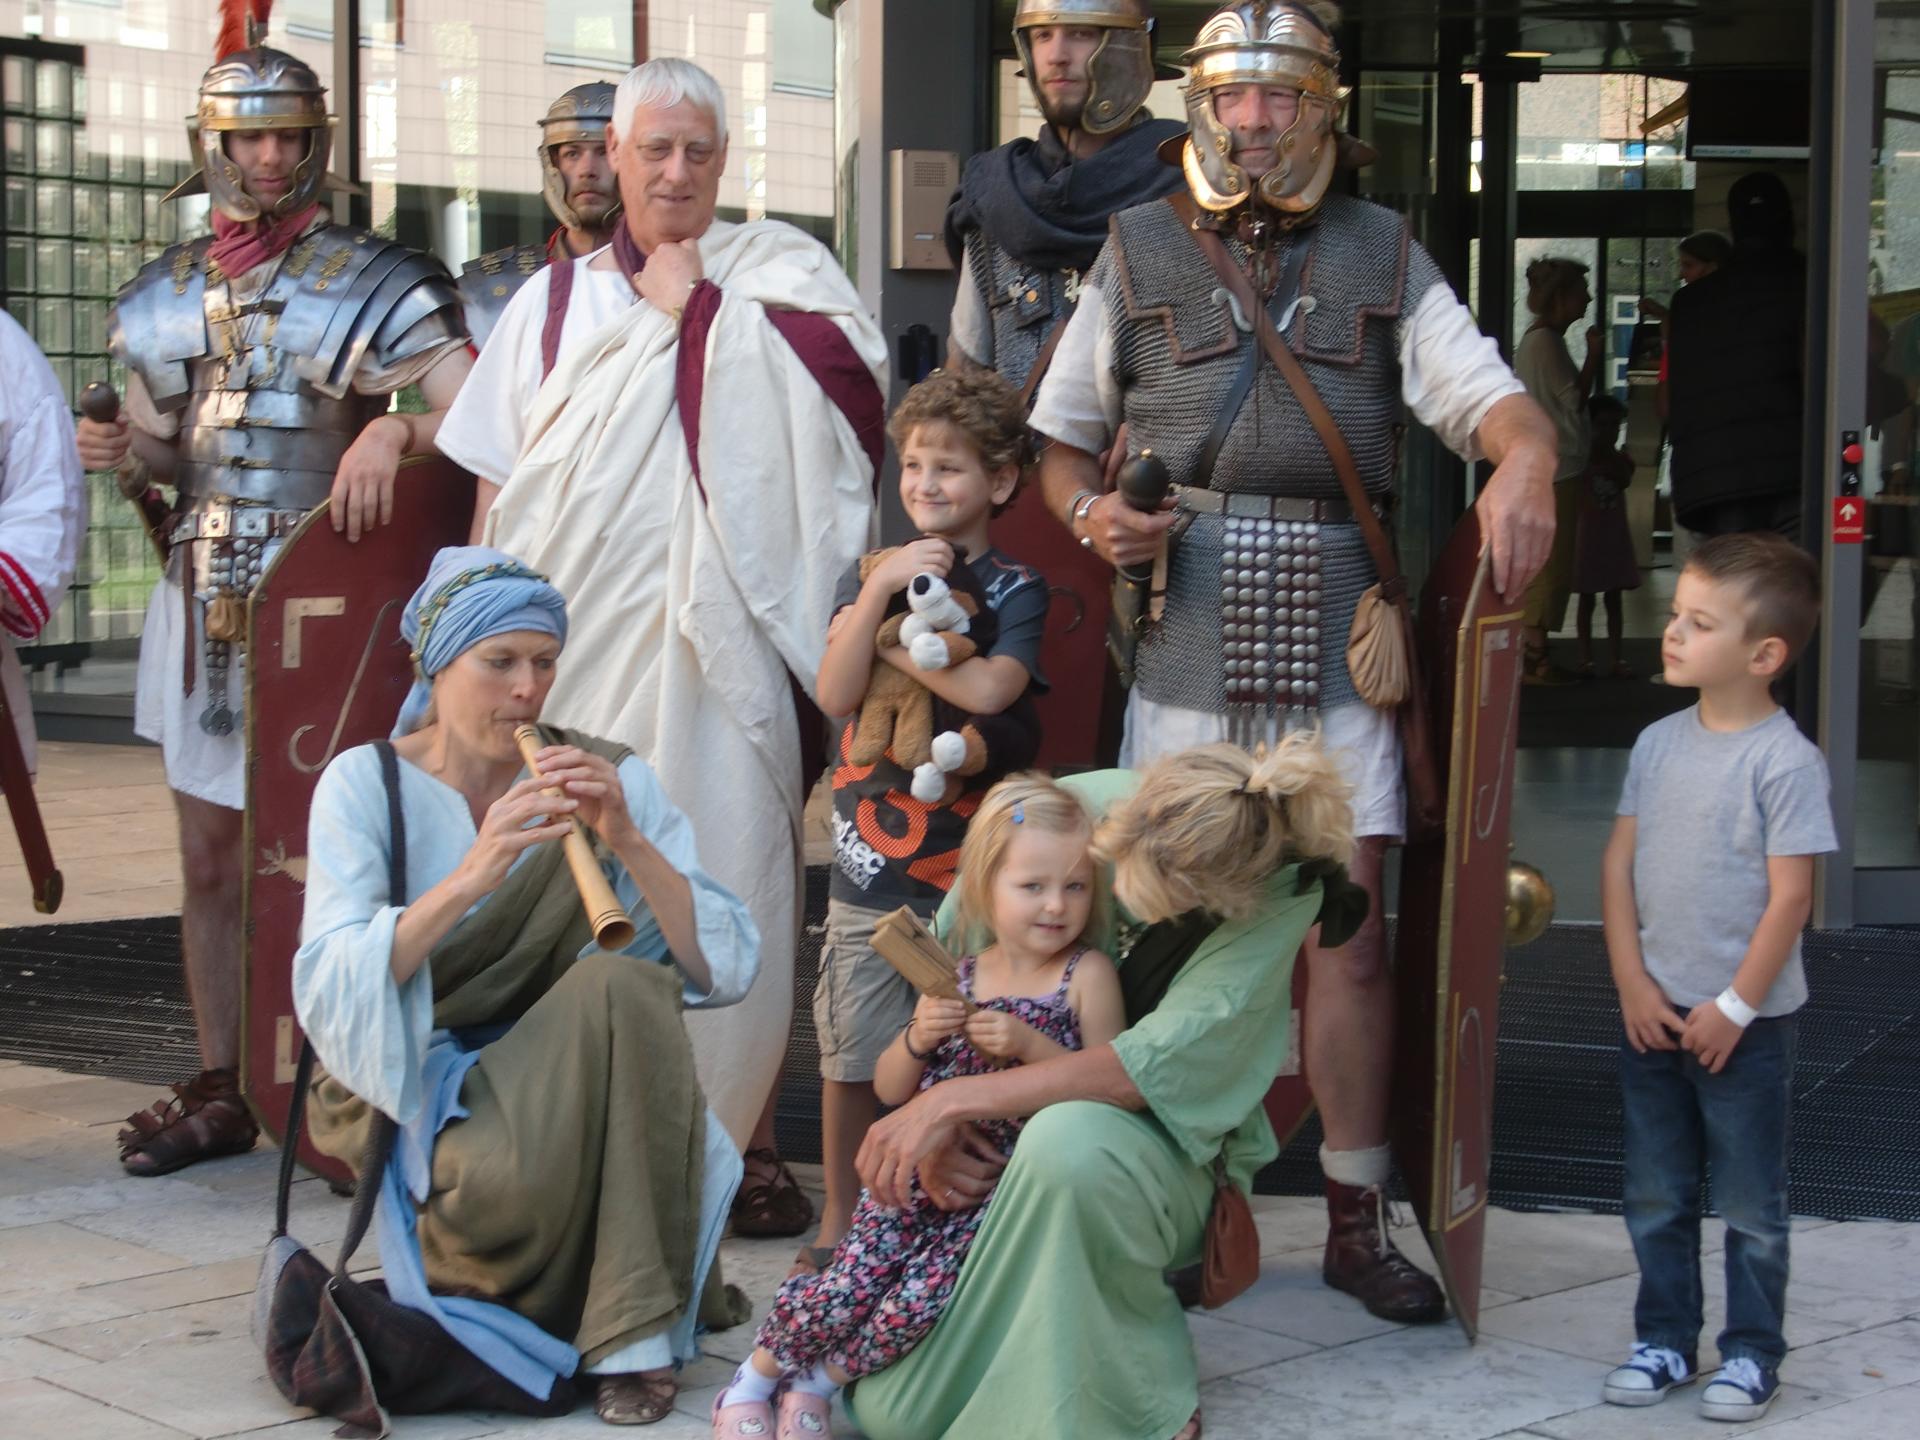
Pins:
x: 1024, y: 304
x: 1177, y: 351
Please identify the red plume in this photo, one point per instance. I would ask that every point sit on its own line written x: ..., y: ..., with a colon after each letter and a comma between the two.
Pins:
x: 232, y: 35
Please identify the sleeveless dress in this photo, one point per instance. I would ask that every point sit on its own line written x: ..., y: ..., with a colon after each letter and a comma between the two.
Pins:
x: 895, y: 1271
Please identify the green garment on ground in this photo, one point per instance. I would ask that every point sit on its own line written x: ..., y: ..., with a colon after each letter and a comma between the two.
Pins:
x: 1062, y: 1323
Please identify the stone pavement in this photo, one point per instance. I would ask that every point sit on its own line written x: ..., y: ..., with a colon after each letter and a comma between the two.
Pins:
x: 123, y: 1316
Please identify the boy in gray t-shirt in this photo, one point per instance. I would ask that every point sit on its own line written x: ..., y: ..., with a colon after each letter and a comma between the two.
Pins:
x: 1706, y: 885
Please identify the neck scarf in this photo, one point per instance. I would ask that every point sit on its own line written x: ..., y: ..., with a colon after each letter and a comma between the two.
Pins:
x: 470, y: 594
x: 239, y: 245
x: 1049, y: 210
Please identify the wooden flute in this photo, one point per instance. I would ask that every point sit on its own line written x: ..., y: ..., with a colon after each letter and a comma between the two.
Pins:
x: 612, y: 926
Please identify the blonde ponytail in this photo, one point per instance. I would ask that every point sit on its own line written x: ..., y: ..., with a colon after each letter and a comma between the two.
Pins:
x: 1209, y: 826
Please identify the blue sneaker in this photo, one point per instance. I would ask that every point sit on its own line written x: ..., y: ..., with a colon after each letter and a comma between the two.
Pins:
x: 1741, y: 1391
x: 1647, y: 1376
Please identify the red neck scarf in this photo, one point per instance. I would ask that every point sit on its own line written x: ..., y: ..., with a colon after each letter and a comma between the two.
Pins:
x: 239, y: 245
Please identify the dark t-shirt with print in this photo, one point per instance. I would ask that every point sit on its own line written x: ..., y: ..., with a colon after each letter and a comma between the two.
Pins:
x: 889, y: 848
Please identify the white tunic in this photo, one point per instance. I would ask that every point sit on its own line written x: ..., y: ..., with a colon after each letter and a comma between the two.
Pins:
x: 43, y: 509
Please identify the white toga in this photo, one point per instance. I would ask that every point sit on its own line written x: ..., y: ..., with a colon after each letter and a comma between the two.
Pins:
x: 689, y: 603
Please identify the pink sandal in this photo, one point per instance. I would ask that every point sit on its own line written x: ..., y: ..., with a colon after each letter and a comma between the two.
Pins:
x: 749, y: 1420
x: 804, y: 1416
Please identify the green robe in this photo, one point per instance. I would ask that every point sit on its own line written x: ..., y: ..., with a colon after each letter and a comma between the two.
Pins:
x: 1062, y: 1323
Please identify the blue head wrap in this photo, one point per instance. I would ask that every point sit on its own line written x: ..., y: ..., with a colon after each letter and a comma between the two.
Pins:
x: 470, y: 594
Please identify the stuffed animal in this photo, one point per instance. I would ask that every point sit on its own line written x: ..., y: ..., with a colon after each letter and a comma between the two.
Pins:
x: 942, y: 622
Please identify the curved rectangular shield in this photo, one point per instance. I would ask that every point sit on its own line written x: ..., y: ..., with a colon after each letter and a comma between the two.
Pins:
x: 326, y: 669
x: 1451, y: 942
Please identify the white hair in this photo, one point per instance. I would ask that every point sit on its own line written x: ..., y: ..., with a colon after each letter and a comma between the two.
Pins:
x: 663, y: 83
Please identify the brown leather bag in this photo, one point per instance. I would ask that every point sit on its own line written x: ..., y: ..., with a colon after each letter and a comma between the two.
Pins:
x: 1230, y: 1262
x: 1380, y: 650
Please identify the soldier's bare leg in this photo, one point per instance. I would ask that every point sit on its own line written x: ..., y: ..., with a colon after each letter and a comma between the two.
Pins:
x: 210, y: 840
x: 1348, y: 1037
x: 205, y: 1117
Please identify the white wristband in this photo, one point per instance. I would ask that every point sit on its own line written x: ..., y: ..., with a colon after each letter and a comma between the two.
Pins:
x: 1736, y: 1009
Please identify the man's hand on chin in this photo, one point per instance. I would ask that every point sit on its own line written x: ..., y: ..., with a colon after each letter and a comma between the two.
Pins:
x: 670, y: 274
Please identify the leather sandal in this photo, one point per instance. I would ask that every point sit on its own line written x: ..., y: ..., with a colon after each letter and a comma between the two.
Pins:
x: 641, y: 1397
x: 773, y: 1207
x: 206, y: 1118
x: 1191, y: 1430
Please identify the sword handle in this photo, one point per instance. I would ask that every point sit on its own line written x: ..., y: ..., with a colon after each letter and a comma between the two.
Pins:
x: 100, y: 403
x: 1143, y: 482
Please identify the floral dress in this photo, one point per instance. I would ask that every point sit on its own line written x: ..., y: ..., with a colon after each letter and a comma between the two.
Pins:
x: 894, y: 1272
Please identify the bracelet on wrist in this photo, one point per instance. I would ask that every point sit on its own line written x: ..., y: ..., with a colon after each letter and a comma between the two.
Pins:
x: 906, y: 1039
x: 1729, y: 1004
x: 1083, y: 503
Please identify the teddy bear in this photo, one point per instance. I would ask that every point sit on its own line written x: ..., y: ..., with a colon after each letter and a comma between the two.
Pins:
x: 941, y: 622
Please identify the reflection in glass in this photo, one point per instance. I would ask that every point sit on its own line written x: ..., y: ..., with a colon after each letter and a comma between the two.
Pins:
x: 53, y: 267
x: 1887, y: 813
x: 53, y: 207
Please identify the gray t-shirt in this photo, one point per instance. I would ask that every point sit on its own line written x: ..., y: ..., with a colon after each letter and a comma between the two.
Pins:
x: 1710, y: 807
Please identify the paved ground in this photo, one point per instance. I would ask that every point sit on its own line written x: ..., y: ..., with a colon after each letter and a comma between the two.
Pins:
x: 123, y: 1316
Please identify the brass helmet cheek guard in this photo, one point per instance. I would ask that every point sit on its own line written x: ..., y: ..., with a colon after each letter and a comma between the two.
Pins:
x: 1266, y: 45
x: 259, y: 89
x: 1120, y: 72
x: 580, y: 116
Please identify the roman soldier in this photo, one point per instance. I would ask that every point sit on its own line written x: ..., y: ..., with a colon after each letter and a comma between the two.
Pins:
x: 577, y: 181
x: 261, y: 364
x: 1267, y: 562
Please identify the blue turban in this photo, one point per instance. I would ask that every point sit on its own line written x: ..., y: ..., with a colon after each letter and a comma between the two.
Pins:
x: 470, y: 594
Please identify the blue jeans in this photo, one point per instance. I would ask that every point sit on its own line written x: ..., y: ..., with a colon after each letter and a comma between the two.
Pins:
x: 1681, y: 1120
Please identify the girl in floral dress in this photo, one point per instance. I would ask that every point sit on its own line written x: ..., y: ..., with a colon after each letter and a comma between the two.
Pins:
x: 1036, y: 992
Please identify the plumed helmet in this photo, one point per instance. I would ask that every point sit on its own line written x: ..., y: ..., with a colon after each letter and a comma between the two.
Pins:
x: 580, y: 114
x: 1273, y: 44
x: 253, y: 87
x: 1121, y: 72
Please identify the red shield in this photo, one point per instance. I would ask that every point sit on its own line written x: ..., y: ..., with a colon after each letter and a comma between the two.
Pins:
x: 326, y: 670
x: 1452, y: 930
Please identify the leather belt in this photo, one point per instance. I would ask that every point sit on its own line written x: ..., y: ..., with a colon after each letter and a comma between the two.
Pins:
x: 1201, y: 501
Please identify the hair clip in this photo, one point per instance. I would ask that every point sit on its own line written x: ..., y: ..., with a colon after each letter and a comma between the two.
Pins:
x: 1019, y: 814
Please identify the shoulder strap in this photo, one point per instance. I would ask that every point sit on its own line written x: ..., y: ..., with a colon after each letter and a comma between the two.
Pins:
x: 1045, y: 358
x: 1393, y: 584
x: 381, y: 1131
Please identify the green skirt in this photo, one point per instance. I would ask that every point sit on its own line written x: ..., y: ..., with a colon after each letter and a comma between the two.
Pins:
x: 1062, y: 1323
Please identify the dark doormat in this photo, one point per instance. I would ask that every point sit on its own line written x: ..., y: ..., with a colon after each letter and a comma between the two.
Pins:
x: 107, y: 999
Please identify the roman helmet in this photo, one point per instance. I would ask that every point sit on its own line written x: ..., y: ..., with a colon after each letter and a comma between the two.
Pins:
x: 252, y: 87
x: 1274, y: 44
x: 1121, y: 71
x: 580, y: 114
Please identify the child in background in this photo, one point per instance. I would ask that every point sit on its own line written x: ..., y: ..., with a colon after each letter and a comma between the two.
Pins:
x: 1603, y: 560
x: 1027, y: 876
x: 1706, y: 885
x: 961, y: 440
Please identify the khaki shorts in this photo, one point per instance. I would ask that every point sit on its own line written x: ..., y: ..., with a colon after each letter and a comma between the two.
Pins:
x: 860, y: 1001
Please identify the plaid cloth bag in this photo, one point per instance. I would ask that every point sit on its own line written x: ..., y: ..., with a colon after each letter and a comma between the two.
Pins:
x: 341, y: 1345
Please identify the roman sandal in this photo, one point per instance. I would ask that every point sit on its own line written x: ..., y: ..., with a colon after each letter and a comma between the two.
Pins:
x: 206, y: 1118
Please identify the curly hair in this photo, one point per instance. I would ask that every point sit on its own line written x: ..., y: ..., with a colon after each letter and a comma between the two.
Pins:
x: 1208, y: 826
x: 980, y: 404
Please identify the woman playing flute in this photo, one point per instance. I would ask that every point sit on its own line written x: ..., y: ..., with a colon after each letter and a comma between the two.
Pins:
x: 558, y: 1188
